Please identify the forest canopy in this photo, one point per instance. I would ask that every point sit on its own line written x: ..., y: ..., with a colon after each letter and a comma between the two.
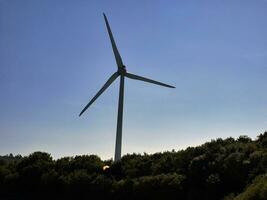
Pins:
x: 226, y: 169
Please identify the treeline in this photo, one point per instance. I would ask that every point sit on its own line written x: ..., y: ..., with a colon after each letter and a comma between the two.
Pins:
x: 228, y: 169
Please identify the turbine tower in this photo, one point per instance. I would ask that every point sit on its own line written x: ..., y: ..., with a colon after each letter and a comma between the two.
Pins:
x: 122, y: 72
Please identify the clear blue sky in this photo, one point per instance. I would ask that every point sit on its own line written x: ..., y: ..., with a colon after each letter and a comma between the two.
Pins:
x: 55, y: 55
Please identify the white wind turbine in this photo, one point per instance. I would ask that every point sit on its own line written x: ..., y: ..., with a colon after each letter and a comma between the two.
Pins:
x: 122, y: 73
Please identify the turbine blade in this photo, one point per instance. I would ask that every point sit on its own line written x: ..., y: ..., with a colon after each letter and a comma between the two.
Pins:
x: 106, y: 85
x: 140, y: 78
x: 114, y: 47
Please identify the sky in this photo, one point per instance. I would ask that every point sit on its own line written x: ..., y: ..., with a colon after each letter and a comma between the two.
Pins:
x: 55, y: 56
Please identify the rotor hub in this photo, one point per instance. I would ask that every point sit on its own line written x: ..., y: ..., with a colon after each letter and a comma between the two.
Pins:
x: 122, y: 70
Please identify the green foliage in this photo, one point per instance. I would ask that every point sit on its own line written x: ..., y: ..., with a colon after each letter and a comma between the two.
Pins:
x: 163, y: 186
x: 262, y: 139
x: 255, y: 191
x: 229, y: 169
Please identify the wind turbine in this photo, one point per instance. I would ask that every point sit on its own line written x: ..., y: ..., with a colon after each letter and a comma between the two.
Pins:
x: 122, y: 72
